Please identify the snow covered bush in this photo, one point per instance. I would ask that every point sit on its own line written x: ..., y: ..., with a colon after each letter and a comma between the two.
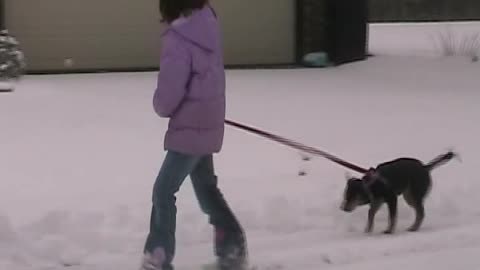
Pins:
x: 467, y: 45
x: 12, y: 61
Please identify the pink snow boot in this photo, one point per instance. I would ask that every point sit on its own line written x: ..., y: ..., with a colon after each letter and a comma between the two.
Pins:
x: 154, y: 260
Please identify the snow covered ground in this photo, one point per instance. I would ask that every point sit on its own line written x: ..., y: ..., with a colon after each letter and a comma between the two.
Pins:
x: 79, y: 153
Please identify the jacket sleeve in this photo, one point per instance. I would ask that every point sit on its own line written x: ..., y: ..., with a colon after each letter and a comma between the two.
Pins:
x: 173, y: 77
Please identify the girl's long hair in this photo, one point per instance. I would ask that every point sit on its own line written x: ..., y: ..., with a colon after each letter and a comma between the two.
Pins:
x: 170, y: 10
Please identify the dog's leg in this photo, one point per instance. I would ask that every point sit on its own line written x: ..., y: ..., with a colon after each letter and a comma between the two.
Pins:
x: 391, y: 201
x: 420, y: 216
x: 374, y: 207
x: 417, y: 205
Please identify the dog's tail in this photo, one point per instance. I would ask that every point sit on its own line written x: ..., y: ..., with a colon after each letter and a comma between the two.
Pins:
x: 440, y: 160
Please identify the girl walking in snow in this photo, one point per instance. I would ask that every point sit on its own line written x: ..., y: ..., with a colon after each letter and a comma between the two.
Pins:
x: 191, y: 93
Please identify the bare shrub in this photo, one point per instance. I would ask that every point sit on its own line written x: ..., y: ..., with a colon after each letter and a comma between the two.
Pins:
x: 451, y: 45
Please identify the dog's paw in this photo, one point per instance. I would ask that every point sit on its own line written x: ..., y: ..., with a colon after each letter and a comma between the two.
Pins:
x: 413, y: 229
x: 389, y: 231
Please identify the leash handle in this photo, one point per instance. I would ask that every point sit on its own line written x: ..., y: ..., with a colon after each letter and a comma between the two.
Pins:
x: 299, y: 146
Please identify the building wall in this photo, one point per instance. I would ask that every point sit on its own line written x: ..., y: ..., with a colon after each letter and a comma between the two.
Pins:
x: 258, y: 31
x: 94, y: 33
x: 122, y: 34
x: 125, y: 34
x: 423, y: 10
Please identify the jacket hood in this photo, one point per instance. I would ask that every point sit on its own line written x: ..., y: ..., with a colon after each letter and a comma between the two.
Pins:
x: 199, y: 28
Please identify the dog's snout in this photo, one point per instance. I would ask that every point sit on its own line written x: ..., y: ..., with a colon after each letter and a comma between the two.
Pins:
x: 344, y: 207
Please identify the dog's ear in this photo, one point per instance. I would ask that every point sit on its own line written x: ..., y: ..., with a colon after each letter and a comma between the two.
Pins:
x: 369, y: 174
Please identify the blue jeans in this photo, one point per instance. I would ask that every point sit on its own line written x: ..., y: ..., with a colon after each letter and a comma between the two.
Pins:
x: 176, y: 167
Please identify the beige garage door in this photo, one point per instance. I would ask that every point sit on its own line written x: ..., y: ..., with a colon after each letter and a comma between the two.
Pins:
x: 257, y: 31
x: 112, y: 34
x: 94, y: 33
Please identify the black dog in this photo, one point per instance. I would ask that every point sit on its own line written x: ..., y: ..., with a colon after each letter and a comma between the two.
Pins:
x: 407, y: 176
